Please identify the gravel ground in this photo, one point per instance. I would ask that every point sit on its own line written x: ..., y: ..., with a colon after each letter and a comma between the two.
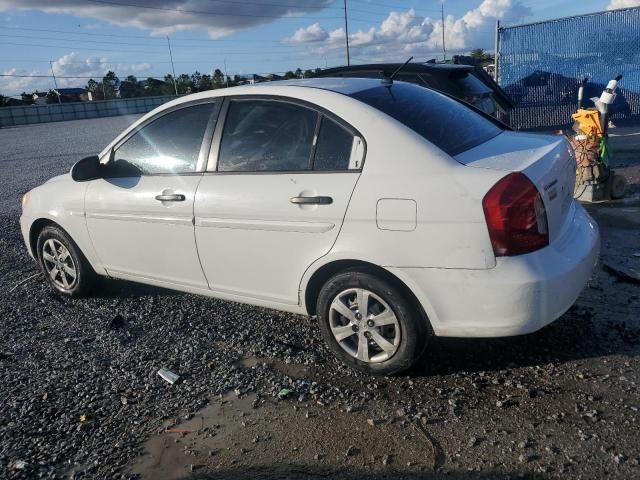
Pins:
x: 80, y: 396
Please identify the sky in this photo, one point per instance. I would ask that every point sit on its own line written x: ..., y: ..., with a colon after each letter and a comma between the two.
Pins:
x: 86, y: 38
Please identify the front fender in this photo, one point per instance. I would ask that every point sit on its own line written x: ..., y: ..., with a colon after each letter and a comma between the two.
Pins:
x: 60, y: 202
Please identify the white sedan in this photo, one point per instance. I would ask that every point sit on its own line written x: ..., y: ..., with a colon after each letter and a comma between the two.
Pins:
x: 391, y: 212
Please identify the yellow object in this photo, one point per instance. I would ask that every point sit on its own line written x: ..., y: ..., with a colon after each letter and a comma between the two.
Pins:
x: 588, y: 121
x: 83, y: 418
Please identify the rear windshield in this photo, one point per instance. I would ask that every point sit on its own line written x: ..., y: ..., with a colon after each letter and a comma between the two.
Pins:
x: 446, y: 123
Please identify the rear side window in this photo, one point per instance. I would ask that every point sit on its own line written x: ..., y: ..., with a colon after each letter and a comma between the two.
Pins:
x: 446, y: 123
x: 333, y: 148
x: 262, y: 135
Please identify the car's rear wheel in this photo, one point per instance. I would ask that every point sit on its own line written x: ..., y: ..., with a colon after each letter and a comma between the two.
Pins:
x: 63, y: 264
x: 369, y: 324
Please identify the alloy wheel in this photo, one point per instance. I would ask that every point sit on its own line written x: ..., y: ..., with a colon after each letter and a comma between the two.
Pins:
x: 59, y: 264
x: 364, y: 325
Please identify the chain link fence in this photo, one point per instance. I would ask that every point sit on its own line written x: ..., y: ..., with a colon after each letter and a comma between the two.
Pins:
x: 540, y: 65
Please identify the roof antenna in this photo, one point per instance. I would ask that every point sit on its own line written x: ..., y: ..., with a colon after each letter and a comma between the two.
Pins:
x: 388, y: 81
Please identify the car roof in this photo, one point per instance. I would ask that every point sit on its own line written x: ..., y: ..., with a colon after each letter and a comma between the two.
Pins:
x: 343, y: 85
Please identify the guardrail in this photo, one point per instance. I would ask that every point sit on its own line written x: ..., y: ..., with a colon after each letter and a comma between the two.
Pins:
x: 55, y: 112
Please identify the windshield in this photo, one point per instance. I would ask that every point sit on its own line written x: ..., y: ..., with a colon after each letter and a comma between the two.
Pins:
x: 446, y: 123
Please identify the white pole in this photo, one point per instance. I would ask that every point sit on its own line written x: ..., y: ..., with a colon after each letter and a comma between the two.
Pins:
x: 175, y: 86
x: 496, y: 54
x: 55, y: 82
x: 444, y: 46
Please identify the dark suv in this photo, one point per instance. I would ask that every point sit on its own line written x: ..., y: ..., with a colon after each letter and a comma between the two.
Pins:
x: 470, y: 84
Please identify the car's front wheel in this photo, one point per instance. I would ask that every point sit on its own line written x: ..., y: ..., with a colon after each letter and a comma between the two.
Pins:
x: 63, y: 264
x: 369, y: 324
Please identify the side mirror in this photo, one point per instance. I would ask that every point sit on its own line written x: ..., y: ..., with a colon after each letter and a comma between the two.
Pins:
x: 88, y: 168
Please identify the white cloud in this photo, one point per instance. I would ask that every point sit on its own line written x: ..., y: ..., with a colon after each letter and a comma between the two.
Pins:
x: 406, y: 33
x: 162, y: 17
x: 312, y: 33
x: 615, y: 4
x: 69, y: 65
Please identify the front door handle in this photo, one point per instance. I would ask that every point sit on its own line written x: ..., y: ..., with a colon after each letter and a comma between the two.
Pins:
x: 171, y: 197
x: 312, y: 200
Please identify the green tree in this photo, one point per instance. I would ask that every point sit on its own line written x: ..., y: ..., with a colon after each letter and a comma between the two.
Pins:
x: 169, y: 88
x: 289, y: 75
x: 130, y: 88
x: 205, y: 83
x: 481, y: 56
x: 196, y: 81
x: 52, y: 97
x: 184, y: 84
x: 27, y: 98
x: 153, y: 87
x: 110, y: 84
x: 298, y: 73
x: 218, y: 78
x: 308, y: 73
x: 95, y: 88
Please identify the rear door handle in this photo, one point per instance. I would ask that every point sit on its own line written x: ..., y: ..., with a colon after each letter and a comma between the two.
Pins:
x: 171, y: 197
x: 312, y: 200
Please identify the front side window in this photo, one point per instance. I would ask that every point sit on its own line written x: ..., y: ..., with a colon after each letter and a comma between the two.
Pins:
x: 169, y: 145
x: 265, y: 135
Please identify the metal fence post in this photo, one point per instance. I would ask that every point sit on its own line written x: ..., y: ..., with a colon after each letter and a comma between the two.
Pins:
x: 496, y: 54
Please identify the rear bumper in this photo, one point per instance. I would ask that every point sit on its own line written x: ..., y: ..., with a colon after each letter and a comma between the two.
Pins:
x: 520, y: 295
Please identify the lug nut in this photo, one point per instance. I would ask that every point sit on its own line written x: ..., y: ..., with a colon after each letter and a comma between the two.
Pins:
x: 371, y: 323
x: 358, y: 316
x: 354, y: 328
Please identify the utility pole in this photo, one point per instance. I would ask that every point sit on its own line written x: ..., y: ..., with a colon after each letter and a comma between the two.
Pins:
x: 496, y: 53
x: 175, y: 85
x: 444, y: 46
x: 346, y: 32
x: 55, y: 82
x: 226, y: 77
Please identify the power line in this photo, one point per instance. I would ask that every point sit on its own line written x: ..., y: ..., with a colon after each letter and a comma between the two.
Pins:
x: 110, y: 42
x: 147, y: 52
x: 396, y: 6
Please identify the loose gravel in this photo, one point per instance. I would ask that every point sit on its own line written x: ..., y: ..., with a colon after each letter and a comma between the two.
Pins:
x: 80, y: 394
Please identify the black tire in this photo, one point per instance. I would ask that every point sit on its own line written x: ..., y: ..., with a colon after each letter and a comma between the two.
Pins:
x: 85, y: 276
x: 617, y: 187
x: 414, y: 327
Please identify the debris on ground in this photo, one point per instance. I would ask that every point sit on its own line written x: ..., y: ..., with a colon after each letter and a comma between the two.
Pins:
x: 168, y: 375
x: 117, y: 322
x: 284, y: 393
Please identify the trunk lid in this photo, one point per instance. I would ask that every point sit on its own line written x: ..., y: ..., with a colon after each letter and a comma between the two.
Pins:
x: 547, y: 160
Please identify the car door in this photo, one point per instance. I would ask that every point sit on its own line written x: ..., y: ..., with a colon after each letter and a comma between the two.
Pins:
x: 140, y: 214
x: 274, y: 196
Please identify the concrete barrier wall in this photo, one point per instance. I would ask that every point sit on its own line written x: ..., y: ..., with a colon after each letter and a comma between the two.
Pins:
x: 12, y: 116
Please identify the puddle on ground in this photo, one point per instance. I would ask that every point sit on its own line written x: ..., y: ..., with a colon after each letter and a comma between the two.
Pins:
x: 231, y: 435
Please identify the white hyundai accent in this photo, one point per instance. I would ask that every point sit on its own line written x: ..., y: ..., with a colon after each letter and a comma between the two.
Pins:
x: 392, y: 212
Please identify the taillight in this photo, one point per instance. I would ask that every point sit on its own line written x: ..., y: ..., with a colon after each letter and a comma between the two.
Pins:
x: 516, y: 216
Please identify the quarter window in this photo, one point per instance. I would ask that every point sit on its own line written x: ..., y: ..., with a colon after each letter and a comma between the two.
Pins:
x: 263, y: 135
x: 169, y: 145
x: 333, y: 148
